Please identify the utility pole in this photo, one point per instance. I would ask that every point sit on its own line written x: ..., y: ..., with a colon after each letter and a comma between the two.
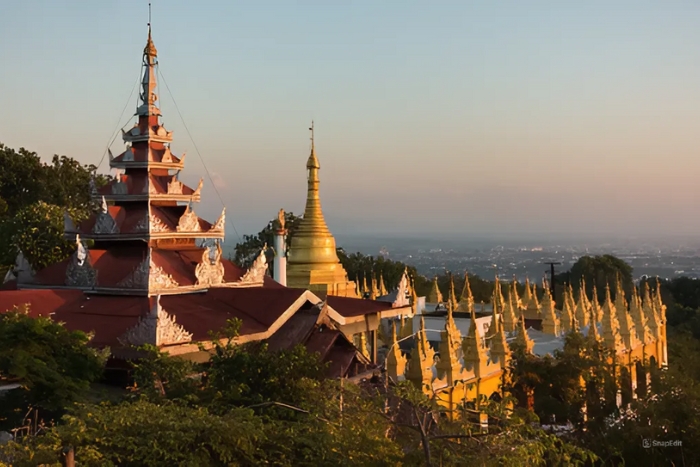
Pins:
x: 551, y: 277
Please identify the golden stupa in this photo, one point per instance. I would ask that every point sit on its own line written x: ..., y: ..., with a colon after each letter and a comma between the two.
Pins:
x: 313, y: 263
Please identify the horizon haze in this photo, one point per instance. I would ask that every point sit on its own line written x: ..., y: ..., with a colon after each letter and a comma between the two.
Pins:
x: 454, y: 119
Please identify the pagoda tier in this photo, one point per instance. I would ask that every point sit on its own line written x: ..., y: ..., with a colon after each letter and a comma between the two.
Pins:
x: 138, y: 222
x: 142, y: 270
x: 147, y: 154
x: 146, y: 202
x: 150, y: 186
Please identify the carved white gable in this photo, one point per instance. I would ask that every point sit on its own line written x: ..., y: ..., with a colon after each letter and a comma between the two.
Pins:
x: 23, y: 270
x: 210, y: 270
x: 157, y: 328
x: 220, y: 222
x: 148, y: 276
x: 80, y: 272
x: 256, y: 273
x: 105, y: 223
x: 189, y: 222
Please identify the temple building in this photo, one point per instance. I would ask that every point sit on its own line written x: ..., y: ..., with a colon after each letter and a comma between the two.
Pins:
x: 463, y: 367
x: 154, y: 271
x: 313, y: 261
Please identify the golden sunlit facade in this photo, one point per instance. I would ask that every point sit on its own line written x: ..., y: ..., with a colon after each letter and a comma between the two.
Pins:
x: 313, y: 262
x: 469, y: 369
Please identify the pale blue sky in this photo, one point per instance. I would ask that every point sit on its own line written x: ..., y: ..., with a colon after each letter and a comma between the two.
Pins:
x: 430, y: 116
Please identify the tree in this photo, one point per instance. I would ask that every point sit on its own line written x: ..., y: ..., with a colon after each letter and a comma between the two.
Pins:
x: 37, y: 231
x: 598, y: 271
x: 144, y: 433
x: 33, y: 198
x: 359, y: 267
x: 247, y: 250
x: 53, y: 365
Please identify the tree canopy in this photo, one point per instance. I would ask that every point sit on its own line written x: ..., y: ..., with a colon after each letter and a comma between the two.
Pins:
x: 33, y: 198
x: 53, y: 365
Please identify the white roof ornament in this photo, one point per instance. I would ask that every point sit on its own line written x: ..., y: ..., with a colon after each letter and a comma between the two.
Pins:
x: 157, y: 328
x: 210, y: 271
x: 258, y: 271
x: 80, y: 272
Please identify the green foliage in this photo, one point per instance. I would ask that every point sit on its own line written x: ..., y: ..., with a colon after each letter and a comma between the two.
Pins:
x: 38, y: 233
x: 34, y: 197
x: 359, y: 266
x: 144, y: 433
x: 598, y: 271
x: 55, y: 366
x: 247, y: 250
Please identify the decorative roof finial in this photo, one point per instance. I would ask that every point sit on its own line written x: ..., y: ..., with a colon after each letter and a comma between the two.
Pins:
x: 312, y: 134
x: 150, y: 49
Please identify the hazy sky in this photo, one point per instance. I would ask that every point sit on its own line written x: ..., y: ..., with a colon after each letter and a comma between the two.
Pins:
x: 468, y: 117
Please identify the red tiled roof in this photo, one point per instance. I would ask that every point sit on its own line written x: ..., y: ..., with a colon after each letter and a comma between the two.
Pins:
x: 136, y: 183
x: 118, y: 262
x: 143, y: 153
x: 350, y: 307
x: 109, y: 317
x: 127, y: 217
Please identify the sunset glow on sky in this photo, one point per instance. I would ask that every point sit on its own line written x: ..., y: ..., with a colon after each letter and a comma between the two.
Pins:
x: 464, y: 117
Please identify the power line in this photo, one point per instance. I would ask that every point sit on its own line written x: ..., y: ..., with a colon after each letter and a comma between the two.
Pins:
x: 115, y: 133
x: 228, y: 218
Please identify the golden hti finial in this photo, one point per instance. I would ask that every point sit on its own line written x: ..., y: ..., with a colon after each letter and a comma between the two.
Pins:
x: 150, y: 49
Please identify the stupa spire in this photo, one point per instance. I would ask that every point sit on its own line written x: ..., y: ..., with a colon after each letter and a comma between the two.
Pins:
x: 381, y: 287
x: 582, y: 314
x: 435, y: 296
x: 517, y: 302
x: 509, y: 318
x: 640, y: 320
x: 452, y: 297
x: 627, y: 329
x: 313, y: 220
x: 466, y: 300
x: 473, y: 348
x: 395, y: 360
x: 148, y: 82
x: 550, y: 322
x: 521, y: 336
x: 611, y: 326
x: 314, y: 262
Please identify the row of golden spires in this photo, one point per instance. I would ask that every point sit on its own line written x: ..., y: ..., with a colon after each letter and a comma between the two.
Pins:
x: 625, y: 327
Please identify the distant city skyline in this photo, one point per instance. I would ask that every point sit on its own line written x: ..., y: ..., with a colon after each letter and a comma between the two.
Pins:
x: 451, y: 118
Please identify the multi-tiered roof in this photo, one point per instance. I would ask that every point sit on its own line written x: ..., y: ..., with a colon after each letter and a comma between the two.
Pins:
x: 147, y: 239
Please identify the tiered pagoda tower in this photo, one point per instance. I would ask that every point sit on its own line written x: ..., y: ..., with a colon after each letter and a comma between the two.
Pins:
x: 147, y: 238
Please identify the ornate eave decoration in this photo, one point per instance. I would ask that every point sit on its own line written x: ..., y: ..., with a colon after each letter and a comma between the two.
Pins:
x: 220, y: 222
x: 167, y: 155
x: 157, y: 328
x: 189, y: 222
x: 210, y: 271
x: 128, y: 155
x: 256, y: 273
x: 105, y: 223
x: 80, y: 272
x: 198, y: 190
x: 402, y: 298
x: 120, y: 188
x: 23, y: 270
x: 148, y: 276
x: 175, y: 186
x: 151, y: 224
